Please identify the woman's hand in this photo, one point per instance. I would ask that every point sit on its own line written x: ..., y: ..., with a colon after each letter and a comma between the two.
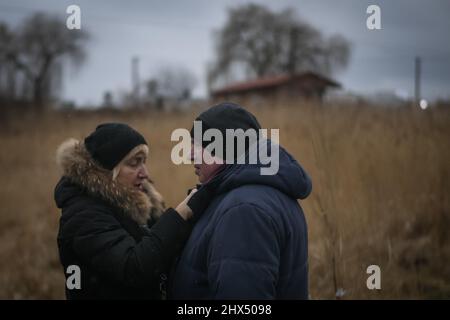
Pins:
x: 183, y: 209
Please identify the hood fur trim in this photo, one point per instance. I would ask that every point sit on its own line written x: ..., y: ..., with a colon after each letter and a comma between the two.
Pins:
x: 77, y: 164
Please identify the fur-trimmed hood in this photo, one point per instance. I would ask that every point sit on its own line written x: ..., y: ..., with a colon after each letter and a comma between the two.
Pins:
x: 77, y: 165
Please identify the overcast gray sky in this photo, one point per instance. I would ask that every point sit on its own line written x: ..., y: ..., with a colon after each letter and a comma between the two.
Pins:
x: 180, y: 33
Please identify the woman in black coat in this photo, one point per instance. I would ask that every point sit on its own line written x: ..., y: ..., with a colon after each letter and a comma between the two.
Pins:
x: 114, y: 228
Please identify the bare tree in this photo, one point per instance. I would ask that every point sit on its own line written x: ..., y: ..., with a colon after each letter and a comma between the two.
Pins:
x: 262, y: 42
x: 176, y: 82
x: 7, y: 69
x: 171, y: 83
x: 39, y: 48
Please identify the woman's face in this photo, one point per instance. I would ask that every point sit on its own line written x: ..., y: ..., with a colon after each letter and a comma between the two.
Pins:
x: 134, y: 172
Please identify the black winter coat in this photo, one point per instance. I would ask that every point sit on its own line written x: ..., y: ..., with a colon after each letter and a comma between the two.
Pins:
x: 119, y: 238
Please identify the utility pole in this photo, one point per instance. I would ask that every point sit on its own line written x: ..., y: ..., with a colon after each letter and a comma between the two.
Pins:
x: 135, y: 82
x: 417, y: 72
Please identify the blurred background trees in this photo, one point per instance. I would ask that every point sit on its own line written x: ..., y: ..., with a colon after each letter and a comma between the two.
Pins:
x: 32, y: 58
x: 256, y: 42
x: 171, y: 85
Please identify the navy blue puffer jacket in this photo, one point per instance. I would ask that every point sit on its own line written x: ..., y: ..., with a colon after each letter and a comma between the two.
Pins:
x: 251, y: 242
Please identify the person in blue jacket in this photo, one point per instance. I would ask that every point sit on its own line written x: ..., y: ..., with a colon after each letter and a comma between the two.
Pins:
x: 251, y: 242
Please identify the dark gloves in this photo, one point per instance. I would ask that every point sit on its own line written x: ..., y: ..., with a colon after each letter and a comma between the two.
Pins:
x: 196, y: 187
x: 200, y: 200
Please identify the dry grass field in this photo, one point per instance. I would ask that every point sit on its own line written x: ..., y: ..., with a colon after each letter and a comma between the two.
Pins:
x: 381, y: 193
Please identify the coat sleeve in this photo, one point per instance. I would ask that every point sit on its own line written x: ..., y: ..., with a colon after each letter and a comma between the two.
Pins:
x: 102, y: 243
x: 243, y: 257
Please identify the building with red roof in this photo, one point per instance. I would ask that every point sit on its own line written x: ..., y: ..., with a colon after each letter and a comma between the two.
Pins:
x: 306, y: 85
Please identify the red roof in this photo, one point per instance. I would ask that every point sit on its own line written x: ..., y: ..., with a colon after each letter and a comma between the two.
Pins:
x: 270, y: 82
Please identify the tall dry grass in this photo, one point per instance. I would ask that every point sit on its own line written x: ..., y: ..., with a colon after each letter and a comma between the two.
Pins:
x: 381, y: 186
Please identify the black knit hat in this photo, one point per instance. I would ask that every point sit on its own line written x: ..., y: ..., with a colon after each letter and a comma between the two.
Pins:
x: 111, y: 142
x: 224, y: 116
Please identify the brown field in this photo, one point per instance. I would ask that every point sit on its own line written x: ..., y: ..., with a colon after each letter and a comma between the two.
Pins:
x: 381, y: 194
